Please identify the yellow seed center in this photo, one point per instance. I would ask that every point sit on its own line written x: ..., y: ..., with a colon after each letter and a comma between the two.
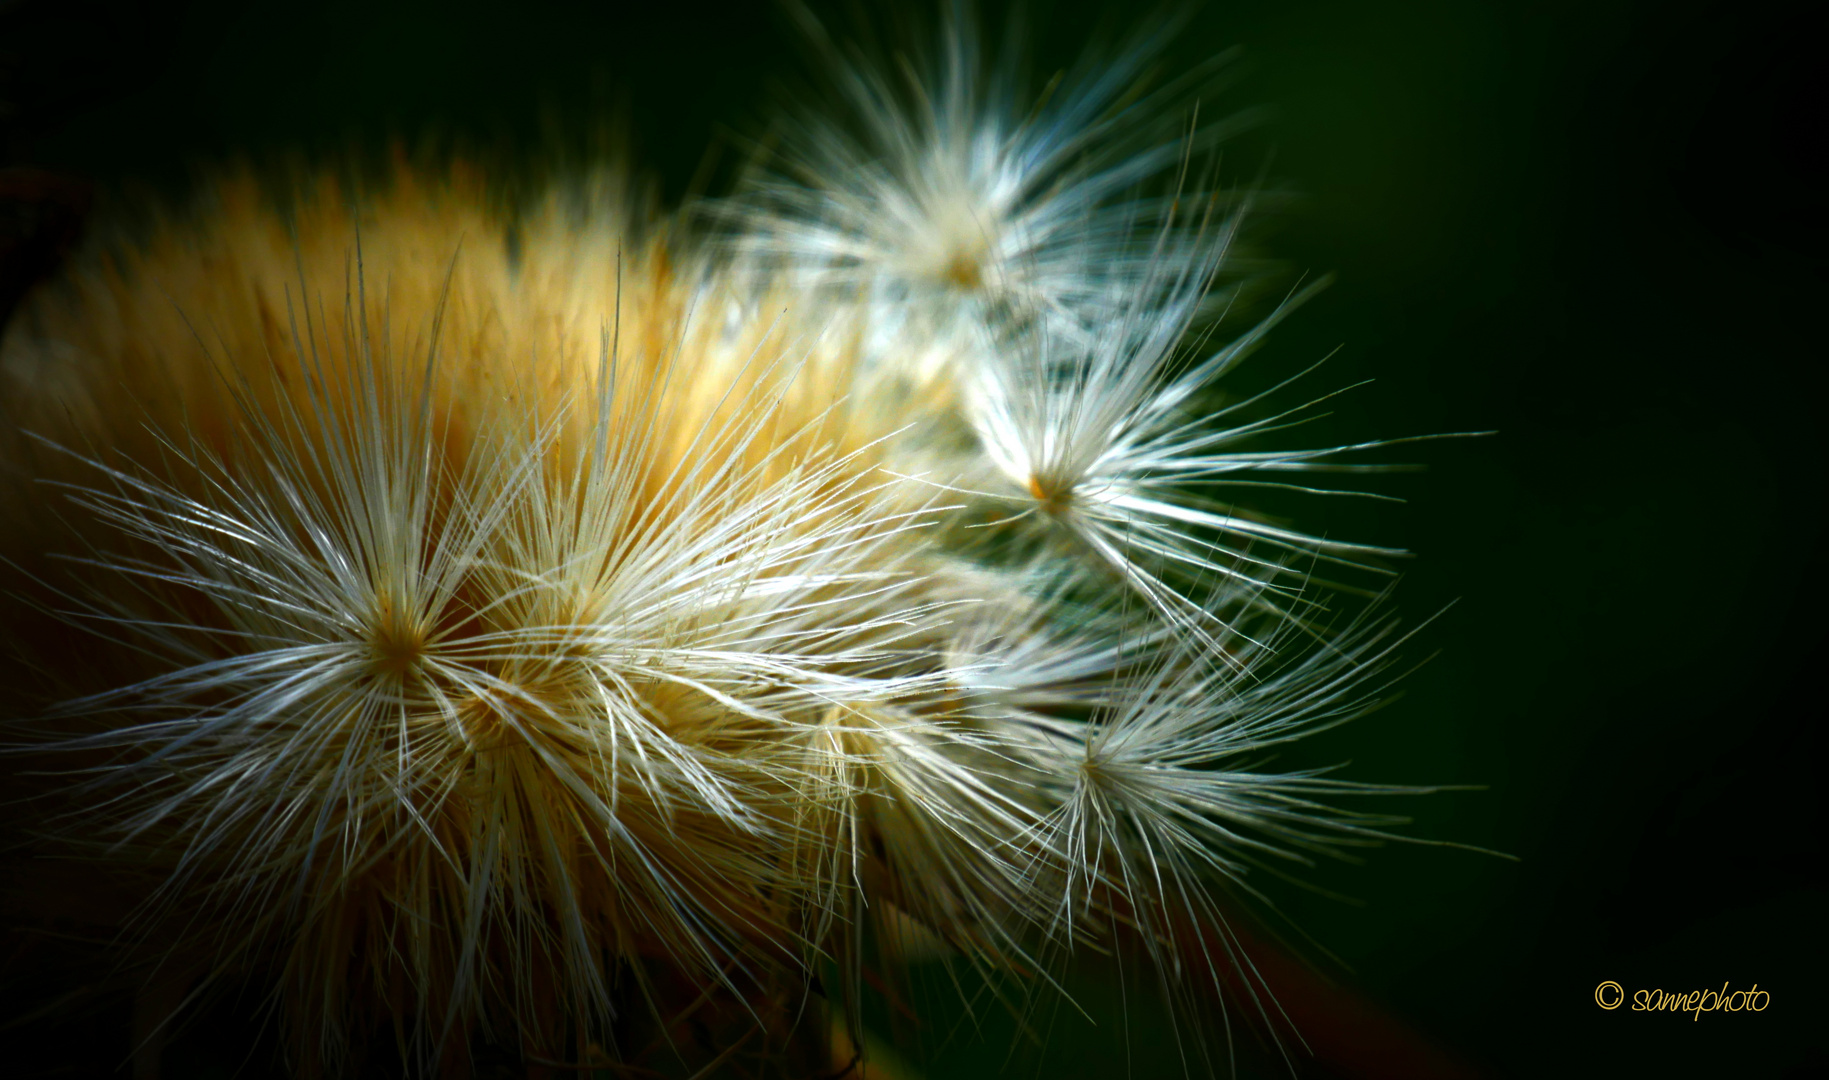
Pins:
x: 1054, y: 498
x: 964, y: 271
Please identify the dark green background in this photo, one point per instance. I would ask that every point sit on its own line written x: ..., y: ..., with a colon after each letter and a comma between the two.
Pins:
x: 1595, y: 228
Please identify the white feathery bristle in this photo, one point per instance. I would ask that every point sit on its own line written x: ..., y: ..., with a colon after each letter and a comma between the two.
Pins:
x: 484, y: 633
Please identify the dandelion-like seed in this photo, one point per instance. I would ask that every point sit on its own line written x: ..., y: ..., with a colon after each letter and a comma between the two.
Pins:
x: 478, y: 638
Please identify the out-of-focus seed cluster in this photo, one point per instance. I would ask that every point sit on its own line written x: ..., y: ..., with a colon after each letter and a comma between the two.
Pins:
x: 479, y: 624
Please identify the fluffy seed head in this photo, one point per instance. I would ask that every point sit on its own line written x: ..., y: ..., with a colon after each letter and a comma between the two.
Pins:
x: 483, y: 633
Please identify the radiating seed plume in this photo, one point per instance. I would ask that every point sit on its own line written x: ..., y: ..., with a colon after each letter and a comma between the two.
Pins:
x: 475, y: 627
